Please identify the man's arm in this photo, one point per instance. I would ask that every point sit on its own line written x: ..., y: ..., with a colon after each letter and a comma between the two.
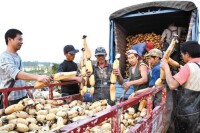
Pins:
x: 27, y: 76
x: 77, y: 78
x: 172, y: 83
x: 11, y: 69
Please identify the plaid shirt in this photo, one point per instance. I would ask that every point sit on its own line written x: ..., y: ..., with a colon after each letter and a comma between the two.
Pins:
x: 10, y: 65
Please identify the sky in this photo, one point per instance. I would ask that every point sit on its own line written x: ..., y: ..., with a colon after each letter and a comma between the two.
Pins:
x: 49, y: 25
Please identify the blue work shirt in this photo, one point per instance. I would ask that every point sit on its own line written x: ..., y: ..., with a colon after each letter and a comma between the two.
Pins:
x: 154, y: 74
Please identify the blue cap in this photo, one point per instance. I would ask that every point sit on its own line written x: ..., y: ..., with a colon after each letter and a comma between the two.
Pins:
x: 100, y: 51
x: 70, y: 49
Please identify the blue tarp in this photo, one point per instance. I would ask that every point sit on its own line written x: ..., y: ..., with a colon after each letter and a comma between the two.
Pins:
x: 193, y: 30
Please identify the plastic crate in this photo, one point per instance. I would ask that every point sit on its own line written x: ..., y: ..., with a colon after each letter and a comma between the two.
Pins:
x: 119, y: 91
x: 87, y: 97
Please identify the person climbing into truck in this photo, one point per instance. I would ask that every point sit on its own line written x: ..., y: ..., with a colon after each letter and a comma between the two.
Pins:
x: 166, y: 39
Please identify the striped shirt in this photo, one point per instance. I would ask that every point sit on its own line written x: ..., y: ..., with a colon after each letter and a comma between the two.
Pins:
x: 10, y: 66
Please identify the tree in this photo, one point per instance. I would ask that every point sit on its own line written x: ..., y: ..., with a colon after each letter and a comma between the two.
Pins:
x: 54, y: 68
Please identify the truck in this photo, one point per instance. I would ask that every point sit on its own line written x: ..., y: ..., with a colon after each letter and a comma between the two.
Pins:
x: 150, y: 17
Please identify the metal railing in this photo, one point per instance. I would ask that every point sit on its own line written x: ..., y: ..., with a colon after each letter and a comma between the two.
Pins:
x: 6, y: 91
x: 154, y: 121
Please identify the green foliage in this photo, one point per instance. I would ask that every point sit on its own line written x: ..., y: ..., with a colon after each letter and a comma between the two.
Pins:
x: 54, y: 68
x: 35, y: 63
x: 34, y: 71
x: 40, y: 67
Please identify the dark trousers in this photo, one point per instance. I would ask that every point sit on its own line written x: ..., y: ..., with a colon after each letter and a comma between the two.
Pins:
x: 187, y: 123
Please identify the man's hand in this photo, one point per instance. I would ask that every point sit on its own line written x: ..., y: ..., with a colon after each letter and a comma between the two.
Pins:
x: 88, y: 74
x: 80, y: 79
x: 164, y: 64
x: 29, y: 94
x: 161, y: 43
x: 126, y: 85
x: 44, y: 78
x: 116, y: 72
